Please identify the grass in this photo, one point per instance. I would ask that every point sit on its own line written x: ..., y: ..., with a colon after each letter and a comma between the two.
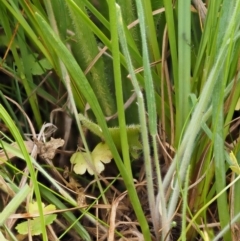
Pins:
x: 174, y: 72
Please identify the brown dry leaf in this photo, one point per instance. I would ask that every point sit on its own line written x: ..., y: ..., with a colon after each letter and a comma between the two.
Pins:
x: 66, y: 172
x: 74, y: 185
x: 47, y: 150
x: 4, y: 186
x: 112, y: 226
x: 4, y: 156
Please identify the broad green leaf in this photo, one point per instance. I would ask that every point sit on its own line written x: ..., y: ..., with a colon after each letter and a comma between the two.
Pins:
x: 133, y: 134
x: 33, y: 207
x: 38, y: 67
x: 101, y: 154
x: 34, y: 225
x: 80, y: 163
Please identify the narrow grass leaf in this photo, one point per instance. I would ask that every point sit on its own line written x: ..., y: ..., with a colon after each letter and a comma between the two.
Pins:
x: 184, y: 65
x: 85, y: 50
x: 142, y: 115
x: 119, y: 86
x: 12, y: 127
x: 14, y: 204
x: 84, y: 87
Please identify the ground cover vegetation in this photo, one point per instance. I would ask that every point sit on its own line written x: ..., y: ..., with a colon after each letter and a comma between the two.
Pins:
x: 119, y: 120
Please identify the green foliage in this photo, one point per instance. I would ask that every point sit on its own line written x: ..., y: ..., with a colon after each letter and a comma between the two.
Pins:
x: 34, y: 226
x: 238, y: 105
x: 101, y: 154
x: 84, y: 52
x: 38, y: 67
x: 153, y: 83
x: 133, y: 135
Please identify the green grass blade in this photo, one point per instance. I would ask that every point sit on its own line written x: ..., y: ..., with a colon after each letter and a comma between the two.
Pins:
x: 187, y: 144
x: 10, y: 111
x: 184, y: 206
x: 152, y: 116
x: 27, y: 77
x: 97, y: 14
x: 149, y: 87
x: 142, y: 116
x: 12, y: 127
x: 85, y: 50
x: 88, y: 93
x: 50, y: 197
x: 69, y: 216
x: 18, y: 15
x: 119, y: 85
x: 150, y: 31
x: 210, y: 202
x: 23, y: 68
x: 14, y: 204
x: 169, y: 14
x: 218, y: 115
x: 184, y: 65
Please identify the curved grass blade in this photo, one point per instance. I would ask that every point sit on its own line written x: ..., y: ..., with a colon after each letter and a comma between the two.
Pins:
x: 80, y: 83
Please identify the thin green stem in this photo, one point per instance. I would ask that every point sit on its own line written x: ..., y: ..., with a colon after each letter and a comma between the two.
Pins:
x: 152, y: 120
x: 188, y: 142
x: 184, y: 208
x: 11, y: 126
x: 85, y: 88
x: 173, y: 42
x: 142, y: 116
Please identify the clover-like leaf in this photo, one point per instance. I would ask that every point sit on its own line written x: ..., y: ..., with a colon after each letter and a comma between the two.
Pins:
x: 34, y: 225
x: 80, y: 161
x: 33, y: 207
x: 101, y: 154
